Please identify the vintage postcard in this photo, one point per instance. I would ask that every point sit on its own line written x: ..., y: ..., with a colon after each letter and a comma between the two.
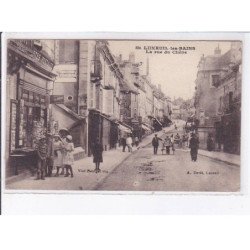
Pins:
x: 122, y: 115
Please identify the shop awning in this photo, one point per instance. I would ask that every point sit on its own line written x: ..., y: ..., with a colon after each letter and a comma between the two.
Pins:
x: 158, y: 121
x: 145, y: 127
x: 149, y: 126
x: 124, y: 129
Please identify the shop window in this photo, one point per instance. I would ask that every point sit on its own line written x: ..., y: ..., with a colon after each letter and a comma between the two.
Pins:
x: 36, y: 113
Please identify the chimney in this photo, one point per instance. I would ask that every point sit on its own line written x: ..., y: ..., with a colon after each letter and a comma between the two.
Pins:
x: 120, y: 58
x: 217, y: 51
x: 132, y: 57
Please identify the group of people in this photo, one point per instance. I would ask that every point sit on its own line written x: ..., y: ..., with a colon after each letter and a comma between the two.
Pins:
x: 169, y: 143
x: 129, y: 141
x: 55, y: 152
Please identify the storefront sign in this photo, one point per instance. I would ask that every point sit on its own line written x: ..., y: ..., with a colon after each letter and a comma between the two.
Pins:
x: 57, y: 99
x: 33, y: 55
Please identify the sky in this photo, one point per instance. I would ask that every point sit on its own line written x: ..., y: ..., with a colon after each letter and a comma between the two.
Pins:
x: 176, y: 73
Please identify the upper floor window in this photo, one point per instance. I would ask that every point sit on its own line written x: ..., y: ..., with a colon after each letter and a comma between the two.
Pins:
x: 68, y: 51
x: 215, y: 79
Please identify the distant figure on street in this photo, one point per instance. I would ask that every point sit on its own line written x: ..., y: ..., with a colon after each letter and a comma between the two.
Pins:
x: 193, y: 145
x: 129, y: 142
x: 172, y: 143
x: 167, y: 144
x: 97, y: 154
x: 42, y: 156
x: 124, y: 144
x: 155, y: 143
x: 136, y: 141
x: 210, y: 143
x: 69, y: 158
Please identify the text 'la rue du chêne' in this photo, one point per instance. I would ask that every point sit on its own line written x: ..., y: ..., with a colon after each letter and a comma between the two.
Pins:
x: 165, y: 49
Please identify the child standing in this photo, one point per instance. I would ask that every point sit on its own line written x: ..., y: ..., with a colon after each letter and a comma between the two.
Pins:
x: 58, y: 157
x: 42, y: 156
x: 69, y: 159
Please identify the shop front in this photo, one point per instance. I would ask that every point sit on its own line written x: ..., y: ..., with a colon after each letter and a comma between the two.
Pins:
x: 103, y: 128
x: 28, y: 106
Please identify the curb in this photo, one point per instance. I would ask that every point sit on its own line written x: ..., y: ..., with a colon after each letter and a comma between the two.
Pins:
x: 97, y: 186
x: 214, y: 158
x: 218, y: 159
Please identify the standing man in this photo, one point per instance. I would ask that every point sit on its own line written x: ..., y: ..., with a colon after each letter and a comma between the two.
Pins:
x: 193, y: 145
x: 155, y: 143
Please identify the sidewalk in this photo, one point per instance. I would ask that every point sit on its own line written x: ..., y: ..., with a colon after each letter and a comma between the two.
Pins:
x: 84, y: 176
x: 221, y: 156
x: 231, y: 159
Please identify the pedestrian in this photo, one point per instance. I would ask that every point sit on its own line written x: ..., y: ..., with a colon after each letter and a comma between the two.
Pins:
x: 69, y: 158
x: 193, y: 145
x: 136, y: 141
x: 42, y: 156
x: 129, y: 142
x: 63, y: 133
x: 97, y: 154
x: 123, y: 142
x: 50, y: 155
x: 58, y: 155
x: 172, y: 143
x: 155, y: 143
x: 167, y: 144
x: 210, y: 142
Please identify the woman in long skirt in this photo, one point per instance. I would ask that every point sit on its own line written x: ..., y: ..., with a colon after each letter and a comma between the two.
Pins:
x: 58, y: 155
x: 97, y: 155
x: 69, y: 158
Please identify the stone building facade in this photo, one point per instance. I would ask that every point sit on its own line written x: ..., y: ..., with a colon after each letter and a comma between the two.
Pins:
x: 218, y: 98
x: 90, y: 81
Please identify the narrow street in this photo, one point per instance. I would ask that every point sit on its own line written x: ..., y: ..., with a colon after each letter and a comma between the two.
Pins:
x: 144, y: 171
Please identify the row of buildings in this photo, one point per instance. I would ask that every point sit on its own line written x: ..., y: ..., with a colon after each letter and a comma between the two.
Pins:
x: 81, y: 86
x: 218, y: 98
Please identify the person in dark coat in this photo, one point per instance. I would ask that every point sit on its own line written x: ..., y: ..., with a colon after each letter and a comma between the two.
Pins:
x: 124, y: 144
x: 155, y: 143
x: 210, y: 143
x: 97, y: 154
x: 50, y: 155
x: 194, y: 145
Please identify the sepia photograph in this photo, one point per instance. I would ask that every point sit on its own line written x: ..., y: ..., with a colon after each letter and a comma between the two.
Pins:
x: 122, y: 115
